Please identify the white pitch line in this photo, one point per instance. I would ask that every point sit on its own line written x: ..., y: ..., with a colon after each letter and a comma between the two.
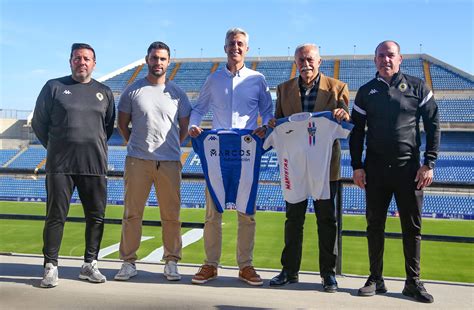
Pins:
x: 115, y: 247
x: 188, y: 238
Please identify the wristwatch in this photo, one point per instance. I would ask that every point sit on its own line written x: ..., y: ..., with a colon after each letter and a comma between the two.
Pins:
x: 430, y: 164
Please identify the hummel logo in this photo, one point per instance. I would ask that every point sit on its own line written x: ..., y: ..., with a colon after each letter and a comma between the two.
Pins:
x: 289, y: 131
x: 373, y: 91
x: 212, y: 138
x: 67, y: 92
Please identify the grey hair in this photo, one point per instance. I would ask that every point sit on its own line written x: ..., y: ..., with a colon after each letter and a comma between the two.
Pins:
x: 234, y: 31
x: 387, y: 41
x: 314, y: 46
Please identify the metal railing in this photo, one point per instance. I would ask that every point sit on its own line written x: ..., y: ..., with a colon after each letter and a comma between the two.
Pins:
x: 14, y: 114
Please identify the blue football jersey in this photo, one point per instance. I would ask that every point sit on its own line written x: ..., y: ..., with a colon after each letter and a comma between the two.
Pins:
x: 230, y: 160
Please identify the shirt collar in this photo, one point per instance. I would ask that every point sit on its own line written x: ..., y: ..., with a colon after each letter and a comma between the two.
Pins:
x: 302, y: 84
x: 238, y: 73
x: 395, y: 78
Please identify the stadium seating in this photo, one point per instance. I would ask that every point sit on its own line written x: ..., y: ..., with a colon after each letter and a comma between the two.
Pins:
x: 192, y: 75
x: 451, y: 141
x: 6, y: 155
x: 450, y: 167
x: 116, y: 158
x: 445, y: 79
x: 357, y: 72
x: 118, y: 83
x: 454, y: 163
x: 116, y: 138
x: 29, y: 159
x: 275, y: 72
x: 269, y: 197
x: 450, y: 110
x: 456, y: 110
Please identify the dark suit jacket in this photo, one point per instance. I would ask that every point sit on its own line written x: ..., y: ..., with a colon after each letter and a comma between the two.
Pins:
x: 332, y: 94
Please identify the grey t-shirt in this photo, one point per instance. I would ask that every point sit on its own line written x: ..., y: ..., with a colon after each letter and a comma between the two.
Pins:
x: 154, y: 110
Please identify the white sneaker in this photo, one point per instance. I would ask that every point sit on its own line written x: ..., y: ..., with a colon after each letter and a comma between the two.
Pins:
x: 50, y: 276
x: 127, y: 271
x: 171, y: 271
x: 90, y: 272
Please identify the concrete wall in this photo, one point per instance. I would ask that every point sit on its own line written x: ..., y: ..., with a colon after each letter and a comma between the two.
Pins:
x: 13, y: 129
x: 13, y: 144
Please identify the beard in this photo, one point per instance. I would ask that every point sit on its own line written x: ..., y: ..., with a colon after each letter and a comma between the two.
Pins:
x: 156, y: 73
x: 81, y: 76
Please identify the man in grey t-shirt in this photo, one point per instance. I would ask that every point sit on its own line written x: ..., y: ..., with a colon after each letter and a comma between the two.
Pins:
x: 159, y: 113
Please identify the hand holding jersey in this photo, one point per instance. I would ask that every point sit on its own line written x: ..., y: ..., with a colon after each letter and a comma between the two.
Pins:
x: 339, y: 114
x: 195, y: 131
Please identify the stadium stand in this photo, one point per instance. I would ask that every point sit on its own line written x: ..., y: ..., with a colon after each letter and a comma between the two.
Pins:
x: 116, y: 138
x: 119, y: 82
x: 450, y: 167
x: 275, y: 72
x: 456, y: 110
x: 30, y: 158
x: 116, y: 158
x: 269, y: 197
x: 444, y: 79
x: 192, y: 75
x: 6, y: 155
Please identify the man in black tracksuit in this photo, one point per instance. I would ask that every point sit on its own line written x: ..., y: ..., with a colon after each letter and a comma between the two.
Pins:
x: 73, y: 119
x: 391, y: 106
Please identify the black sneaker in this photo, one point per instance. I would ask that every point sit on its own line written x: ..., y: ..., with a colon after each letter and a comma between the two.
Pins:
x: 417, y: 290
x: 374, y: 285
x: 329, y: 284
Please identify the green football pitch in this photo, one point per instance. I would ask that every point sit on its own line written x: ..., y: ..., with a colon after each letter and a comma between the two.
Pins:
x: 439, y: 260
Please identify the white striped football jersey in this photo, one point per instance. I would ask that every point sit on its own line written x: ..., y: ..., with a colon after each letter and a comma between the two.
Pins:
x: 303, y: 143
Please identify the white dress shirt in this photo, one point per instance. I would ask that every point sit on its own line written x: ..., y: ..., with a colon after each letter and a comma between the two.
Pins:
x: 235, y: 100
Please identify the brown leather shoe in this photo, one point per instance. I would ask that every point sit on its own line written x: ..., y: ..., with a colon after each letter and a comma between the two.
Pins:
x: 249, y: 275
x: 205, y: 273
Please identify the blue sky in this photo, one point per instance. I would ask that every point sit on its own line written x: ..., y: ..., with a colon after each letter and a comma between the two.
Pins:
x: 36, y: 35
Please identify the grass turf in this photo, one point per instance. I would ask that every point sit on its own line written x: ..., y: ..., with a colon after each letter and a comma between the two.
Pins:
x: 440, y: 260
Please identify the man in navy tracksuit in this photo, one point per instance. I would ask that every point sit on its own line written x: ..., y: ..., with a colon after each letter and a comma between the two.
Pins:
x: 391, y: 106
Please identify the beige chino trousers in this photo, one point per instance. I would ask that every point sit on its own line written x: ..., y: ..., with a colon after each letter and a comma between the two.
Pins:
x: 213, y: 235
x: 139, y: 175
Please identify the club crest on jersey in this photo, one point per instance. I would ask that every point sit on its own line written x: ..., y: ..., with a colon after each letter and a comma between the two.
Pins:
x: 311, y: 133
x: 99, y: 96
x: 402, y: 87
x: 248, y: 139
